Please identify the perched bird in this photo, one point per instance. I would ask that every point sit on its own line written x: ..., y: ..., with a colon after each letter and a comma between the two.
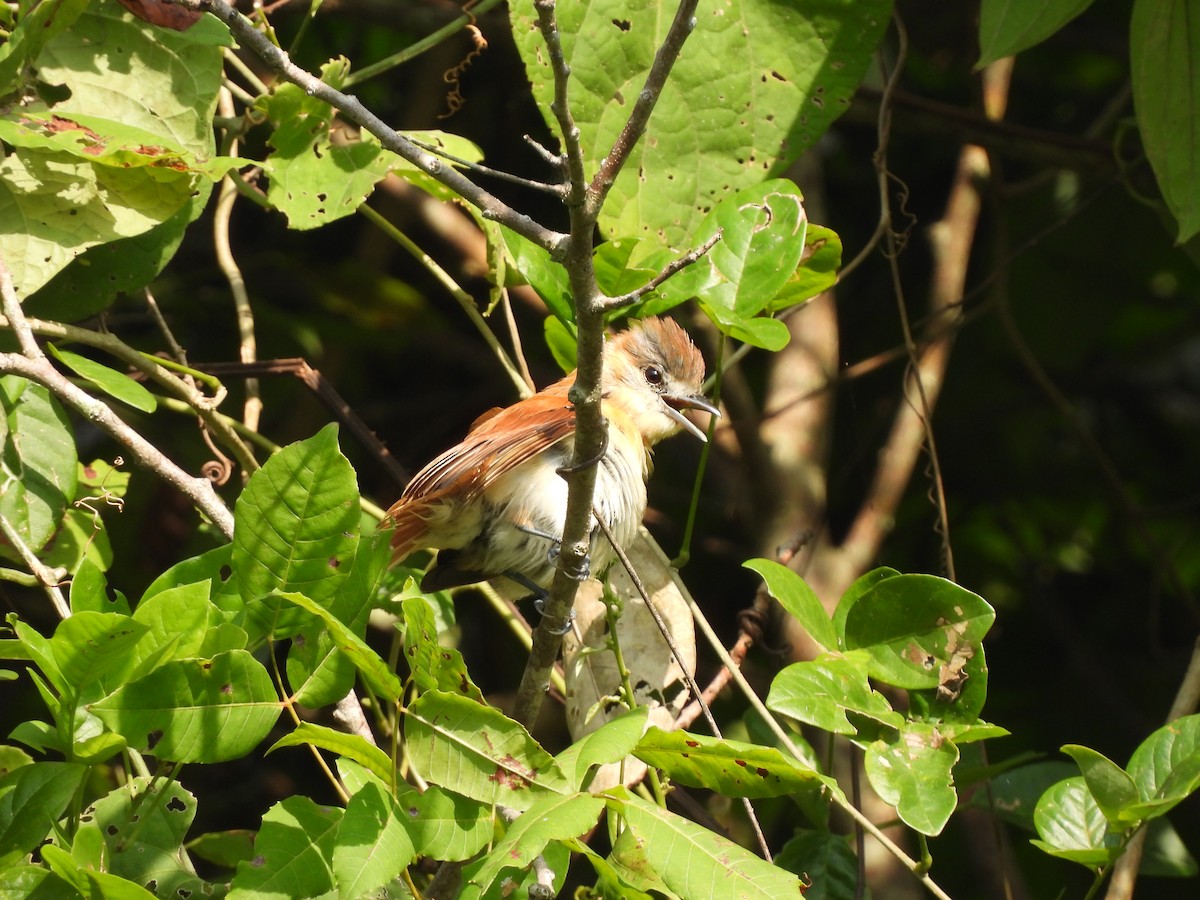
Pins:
x: 495, y: 504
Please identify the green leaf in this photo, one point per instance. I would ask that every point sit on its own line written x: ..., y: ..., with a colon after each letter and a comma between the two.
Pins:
x: 1006, y: 27
x: 293, y: 853
x: 89, y: 592
x: 860, y: 586
x: 314, y: 179
x: 825, y: 861
x: 32, y: 882
x: 371, y: 847
x: 1164, y: 49
x: 90, y: 285
x: 375, y: 672
x: 214, y: 566
x: 433, y: 667
x: 715, y: 128
x: 763, y: 227
x: 115, y: 384
x: 917, y: 628
x: 37, y: 461
x: 223, y: 848
x: 108, y: 142
x: 1110, y: 785
x: 913, y: 774
x: 551, y: 818
x: 318, y: 672
x: 1071, y: 825
x: 695, y: 862
x: 351, y: 746
x: 478, y: 751
x: 1014, y: 794
x: 31, y: 800
x: 1166, y: 767
x: 542, y: 273
x: 818, y: 269
x: 611, y: 742
x: 296, y: 530
x: 728, y: 767
x: 195, y: 710
x: 443, y: 824
x: 821, y: 692
x: 160, y: 81
x: 38, y: 24
x: 89, y: 644
x: 143, y: 824
x: 795, y: 596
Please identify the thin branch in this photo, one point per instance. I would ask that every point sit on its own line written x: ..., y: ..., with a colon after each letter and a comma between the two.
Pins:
x: 278, y: 60
x: 417, y: 48
x: 635, y: 126
x: 610, y: 303
x: 158, y: 370
x: 227, y: 193
x: 49, y: 578
x: 557, y: 190
x: 34, y: 366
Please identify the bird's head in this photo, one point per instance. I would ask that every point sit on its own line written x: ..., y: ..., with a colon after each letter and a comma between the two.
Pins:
x: 653, y: 371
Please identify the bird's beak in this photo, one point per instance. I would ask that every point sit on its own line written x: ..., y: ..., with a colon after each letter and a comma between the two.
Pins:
x: 677, y: 402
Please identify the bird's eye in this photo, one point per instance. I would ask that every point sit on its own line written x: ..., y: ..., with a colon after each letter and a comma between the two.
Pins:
x: 654, y: 375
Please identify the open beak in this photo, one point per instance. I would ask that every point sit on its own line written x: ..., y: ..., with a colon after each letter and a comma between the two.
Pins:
x: 675, y: 403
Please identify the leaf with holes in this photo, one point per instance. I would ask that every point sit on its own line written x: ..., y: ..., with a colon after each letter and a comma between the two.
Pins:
x: 715, y: 129
x: 917, y: 628
x: 56, y: 205
x: 195, y: 710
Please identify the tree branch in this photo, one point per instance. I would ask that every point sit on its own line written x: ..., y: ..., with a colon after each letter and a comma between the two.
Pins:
x: 278, y: 60
x: 32, y: 364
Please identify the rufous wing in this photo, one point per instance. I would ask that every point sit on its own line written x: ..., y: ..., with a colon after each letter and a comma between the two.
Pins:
x: 497, y: 443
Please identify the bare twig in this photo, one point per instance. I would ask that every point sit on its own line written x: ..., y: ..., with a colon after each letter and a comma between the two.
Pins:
x: 491, y: 207
x: 48, y: 578
x: 676, y: 265
x: 32, y: 364
x: 248, y: 346
x: 635, y: 126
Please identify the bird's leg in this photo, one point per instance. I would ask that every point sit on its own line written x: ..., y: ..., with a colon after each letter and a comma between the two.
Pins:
x: 582, y: 573
x: 540, y: 596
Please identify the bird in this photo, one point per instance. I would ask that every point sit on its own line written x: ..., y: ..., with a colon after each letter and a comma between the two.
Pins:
x: 494, y: 505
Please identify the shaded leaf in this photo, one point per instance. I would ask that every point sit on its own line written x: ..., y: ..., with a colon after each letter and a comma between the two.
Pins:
x: 31, y: 800
x: 1164, y: 49
x: 1006, y: 28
